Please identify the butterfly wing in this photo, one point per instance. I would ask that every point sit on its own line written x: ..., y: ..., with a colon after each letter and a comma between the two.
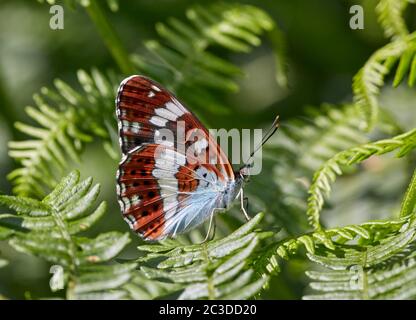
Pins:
x: 161, y: 194
x: 162, y: 189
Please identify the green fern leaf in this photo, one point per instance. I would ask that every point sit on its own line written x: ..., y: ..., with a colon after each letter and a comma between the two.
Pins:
x: 368, y: 81
x: 300, y: 148
x: 68, y: 120
x: 49, y: 229
x: 326, y: 175
x: 219, y: 269
x: 381, y: 271
x: 390, y: 16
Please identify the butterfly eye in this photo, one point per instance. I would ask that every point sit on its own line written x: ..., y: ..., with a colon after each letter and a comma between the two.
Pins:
x: 133, y: 172
x: 151, y: 194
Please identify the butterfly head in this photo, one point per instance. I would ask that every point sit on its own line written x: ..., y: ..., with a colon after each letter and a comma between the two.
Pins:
x: 244, y: 172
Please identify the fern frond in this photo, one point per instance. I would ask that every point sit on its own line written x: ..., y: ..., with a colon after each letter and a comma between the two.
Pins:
x: 67, y: 120
x: 321, y: 184
x: 182, y: 58
x: 390, y: 16
x: 49, y: 229
x: 368, y: 81
x: 301, y: 148
x: 380, y: 265
x: 219, y: 269
x: 329, y: 130
x: 142, y: 288
x: 381, y: 271
x: 330, y: 239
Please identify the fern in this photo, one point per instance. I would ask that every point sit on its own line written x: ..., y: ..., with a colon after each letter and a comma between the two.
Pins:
x: 370, y: 260
x: 329, y: 129
x: 142, y: 288
x: 390, y: 16
x: 185, y: 64
x: 321, y: 184
x: 49, y: 229
x: 409, y: 202
x: 370, y: 78
x: 381, y: 271
x: 367, y: 82
x: 220, y: 269
x: 68, y: 120
x: 301, y: 147
x: 332, y: 240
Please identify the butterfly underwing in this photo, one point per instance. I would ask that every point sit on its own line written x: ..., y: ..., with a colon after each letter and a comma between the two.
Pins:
x: 168, y: 186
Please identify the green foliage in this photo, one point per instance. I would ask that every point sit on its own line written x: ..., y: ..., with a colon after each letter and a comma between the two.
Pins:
x: 390, y: 15
x: 401, y: 51
x: 50, y: 228
x: 220, y: 269
x: 381, y: 266
x: 373, y: 259
x: 182, y: 58
x: 329, y: 130
x: 321, y: 184
x: 384, y: 270
x: 409, y: 201
x: 290, y: 159
x: 68, y: 120
x: 370, y: 78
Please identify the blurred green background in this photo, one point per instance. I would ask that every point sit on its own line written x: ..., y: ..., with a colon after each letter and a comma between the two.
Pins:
x: 323, y: 55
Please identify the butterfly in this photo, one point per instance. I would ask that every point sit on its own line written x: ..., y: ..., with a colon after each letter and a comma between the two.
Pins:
x: 167, y: 186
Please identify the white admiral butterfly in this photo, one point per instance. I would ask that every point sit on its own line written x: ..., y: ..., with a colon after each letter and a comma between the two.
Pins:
x: 162, y: 189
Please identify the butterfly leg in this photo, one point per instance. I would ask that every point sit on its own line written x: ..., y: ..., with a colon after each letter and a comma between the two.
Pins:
x: 246, y: 203
x: 241, y: 193
x: 212, y: 226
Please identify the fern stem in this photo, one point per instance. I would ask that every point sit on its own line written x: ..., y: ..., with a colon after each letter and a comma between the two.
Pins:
x: 365, y: 294
x: 210, y: 283
x: 409, y: 201
x: 63, y: 228
x: 110, y: 37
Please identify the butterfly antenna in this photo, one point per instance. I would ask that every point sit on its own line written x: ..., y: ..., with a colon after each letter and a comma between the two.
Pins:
x: 273, y: 128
